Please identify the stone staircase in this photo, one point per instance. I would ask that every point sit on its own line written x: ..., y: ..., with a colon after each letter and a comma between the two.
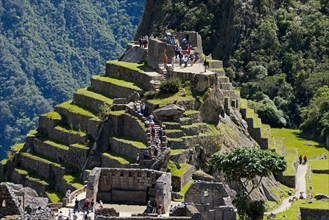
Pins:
x: 255, y: 127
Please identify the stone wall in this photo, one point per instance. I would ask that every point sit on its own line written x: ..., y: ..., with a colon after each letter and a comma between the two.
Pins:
x: 156, y: 52
x: 129, y: 186
x: 124, y: 148
x: 112, y: 90
x: 46, y: 124
x: 135, y: 128
x: 143, y: 218
x: 11, y: 203
x: 212, y: 200
x: 193, y: 38
x: 178, y: 182
x: 312, y: 214
x: 130, y: 75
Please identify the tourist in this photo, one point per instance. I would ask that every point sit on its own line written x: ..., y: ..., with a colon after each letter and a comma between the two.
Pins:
x: 305, y: 159
x: 176, y: 48
x: 92, y: 205
x: 300, y: 159
x: 153, y: 132
x: 76, y: 205
x: 180, y: 58
x: 155, y: 153
x: 154, y: 206
x: 86, y: 206
x: 149, y: 207
x: 139, y: 110
x: 185, y: 60
x: 151, y: 117
x: 146, y: 155
x: 137, y: 158
x: 160, y: 134
x: 160, y: 208
x: 60, y: 216
x: 101, y: 205
x: 188, y: 51
x: 143, y: 107
x: 206, y: 64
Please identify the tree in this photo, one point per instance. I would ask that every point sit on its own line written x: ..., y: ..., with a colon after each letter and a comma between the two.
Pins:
x: 242, y: 166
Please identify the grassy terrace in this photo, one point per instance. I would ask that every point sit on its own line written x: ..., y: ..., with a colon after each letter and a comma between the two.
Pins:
x: 90, y: 94
x: 165, y: 99
x: 119, y: 82
x: 32, y: 133
x: 117, y: 113
x: 257, y: 122
x: 129, y: 140
x: 176, y: 151
x: 81, y: 146
x: 243, y: 103
x: 140, y: 67
x: 75, y: 109
x: 320, y: 184
x: 292, y: 212
x: 73, y: 180
x: 177, y: 172
x: 191, y: 112
x: 22, y: 172
x: 292, y: 140
x: 53, y: 115
x: 250, y: 113
x: 54, y: 196
x: 120, y: 158
x: 34, y: 157
x: 184, y: 190
x: 67, y: 130
x: 212, y: 131
x: 54, y: 144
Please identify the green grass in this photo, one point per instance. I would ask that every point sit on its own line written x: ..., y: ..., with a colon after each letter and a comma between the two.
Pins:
x: 32, y: 133
x: 257, y: 122
x: 191, y: 112
x: 320, y: 164
x: 86, y: 92
x: 67, y: 130
x: 22, y: 172
x: 292, y: 140
x: 176, y: 151
x: 237, y: 92
x: 37, y: 179
x: 117, y: 157
x: 213, y: 131
x: 131, y: 141
x: 119, y: 82
x: 140, y: 67
x: 320, y: 184
x: 54, y: 144
x: 74, y: 180
x: 250, y: 113
x: 174, y: 139
x: 4, y: 162
x: 53, y: 115
x: 184, y: 190
x: 41, y: 159
x: 17, y: 147
x: 292, y: 212
x: 165, y: 99
x: 117, y: 113
x: 243, y: 103
x: 177, y: 172
x: 75, y: 109
x: 81, y: 146
x: 54, y: 196
x: 169, y: 131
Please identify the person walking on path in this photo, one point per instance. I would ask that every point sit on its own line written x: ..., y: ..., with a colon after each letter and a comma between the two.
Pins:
x: 76, y: 205
x: 300, y: 159
x: 305, y: 159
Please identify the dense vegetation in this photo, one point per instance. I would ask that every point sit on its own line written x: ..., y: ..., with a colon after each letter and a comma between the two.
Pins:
x: 275, y: 51
x: 49, y: 48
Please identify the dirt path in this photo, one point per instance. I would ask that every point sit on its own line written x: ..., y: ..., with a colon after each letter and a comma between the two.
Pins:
x: 300, y: 187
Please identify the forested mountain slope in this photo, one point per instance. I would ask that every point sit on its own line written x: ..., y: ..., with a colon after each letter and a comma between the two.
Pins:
x: 49, y: 48
x: 275, y: 50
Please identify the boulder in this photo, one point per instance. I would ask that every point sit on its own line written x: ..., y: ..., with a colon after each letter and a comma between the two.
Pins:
x: 169, y: 112
x: 320, y: 157
x: 134, y: 55
x: 321, y: 197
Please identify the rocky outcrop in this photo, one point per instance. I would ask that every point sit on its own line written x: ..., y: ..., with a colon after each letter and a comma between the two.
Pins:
x: 169, y: 112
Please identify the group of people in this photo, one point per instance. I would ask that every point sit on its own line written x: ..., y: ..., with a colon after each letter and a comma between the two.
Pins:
x: 187, y: 57
x: 301, y: 159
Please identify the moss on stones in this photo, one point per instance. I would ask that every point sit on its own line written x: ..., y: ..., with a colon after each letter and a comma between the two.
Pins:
x: 118, y: 82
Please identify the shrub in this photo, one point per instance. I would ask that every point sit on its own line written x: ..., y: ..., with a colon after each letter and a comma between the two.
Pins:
x: 170, y: 86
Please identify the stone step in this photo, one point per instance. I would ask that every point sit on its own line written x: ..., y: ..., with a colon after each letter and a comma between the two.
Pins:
x: 176, y: 143
x: 115, y: 160
x: 174, y: 133
x: 77, y: 117
x: 195, y: 129
x: 92, y: 101
x: 41, y: 166
x: 194, y: 115
x: 67, y: 136
x: 48, y: 121
x: 223, y: 79
x: 171, y: 125
x: 113, y: 87
x: 186, y: 121
x: 127, y: 147
x: 226, y: 86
